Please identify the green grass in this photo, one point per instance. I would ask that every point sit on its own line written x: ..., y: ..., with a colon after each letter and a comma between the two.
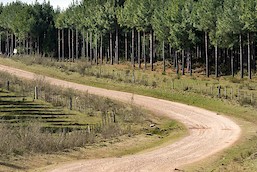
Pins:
x: 164, y: 90
x: 15, y: 109
x: 19, y: 111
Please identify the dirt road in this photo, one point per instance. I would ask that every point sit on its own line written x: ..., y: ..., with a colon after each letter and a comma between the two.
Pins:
x: 209, y: 133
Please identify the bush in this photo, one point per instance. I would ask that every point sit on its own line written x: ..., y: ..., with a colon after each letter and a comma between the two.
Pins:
x: 154, y: 84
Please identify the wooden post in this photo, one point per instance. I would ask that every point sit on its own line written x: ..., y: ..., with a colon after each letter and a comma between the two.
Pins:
x: 70, y: 103
x: 219, y: 93
x: 114, y: 117
x: 88, y: 129
x: 8, y: 85
x: 36, y: 93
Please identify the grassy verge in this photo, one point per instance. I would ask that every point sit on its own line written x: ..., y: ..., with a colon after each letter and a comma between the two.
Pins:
x: 31, y: 127
x: 247, y: 113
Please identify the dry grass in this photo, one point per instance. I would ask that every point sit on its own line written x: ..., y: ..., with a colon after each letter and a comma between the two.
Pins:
x: 31, y: 138
x: 194, y: 90
x: 36, y: 137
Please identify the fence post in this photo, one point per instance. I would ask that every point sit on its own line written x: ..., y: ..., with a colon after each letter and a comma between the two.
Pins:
x: 8, y: 85
x: 36, y: 93
x: 88, y: 129
x: 114, y: 117
x: 219, y: 87
x: 70, y: 103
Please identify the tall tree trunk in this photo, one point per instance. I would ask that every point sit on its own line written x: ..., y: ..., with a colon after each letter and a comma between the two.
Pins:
x: 216, y: 61
x: 183, y: 62
x: 1, y: 43
x: 24, y: 46
x: 117, y: 46
x: 38, y: 45
x: 177, y: 64
x: 87, y: 50
x: 133, y: 50
x: 197, y: 52
x: 206, y: 54
x: 27, y: 44
x: 154, y: 48
x: 63, y: 44
x: 144, y: 53
x: 96, y: 50
x: 30, y: 45
x: 249, y: 56
x: 101, y: 49
x: 139, y: 49
x: 163, y: 56
x: 151, y: 50
x: 174, y: 59
x: 232, y: 62
x: 69, y: 44
x: 72, y: 45
x: 190, y: 63
x: 15, y: 42
x: 200, y: 52
x: 111, y: 49
x: 12, y: 41
x: 83, y: 46
x: 77, y: 44
x: 241, y: 57
x: 108, y: 55
x: 90, y: 49
x: 126, y: 46
x: 7, y: 44
x: 254, y: 53
x: 170, y: 52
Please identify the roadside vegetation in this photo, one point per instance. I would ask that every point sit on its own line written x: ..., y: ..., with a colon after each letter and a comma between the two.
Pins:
x: 37, y: 118
x: 238, y: 156
x: 193, y: 52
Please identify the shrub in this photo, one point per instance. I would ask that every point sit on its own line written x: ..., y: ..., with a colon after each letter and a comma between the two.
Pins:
x: 154, y: 84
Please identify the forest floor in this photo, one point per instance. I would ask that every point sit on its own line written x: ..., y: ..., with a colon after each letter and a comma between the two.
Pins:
x: 203, y: 131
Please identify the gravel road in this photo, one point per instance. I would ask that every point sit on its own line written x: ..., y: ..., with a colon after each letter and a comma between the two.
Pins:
x: 209, y: 133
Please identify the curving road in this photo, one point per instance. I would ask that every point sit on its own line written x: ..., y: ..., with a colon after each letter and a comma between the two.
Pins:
x: 209, y: 133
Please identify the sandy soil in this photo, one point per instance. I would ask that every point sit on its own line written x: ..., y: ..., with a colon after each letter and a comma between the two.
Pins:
x: 209, y: 133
